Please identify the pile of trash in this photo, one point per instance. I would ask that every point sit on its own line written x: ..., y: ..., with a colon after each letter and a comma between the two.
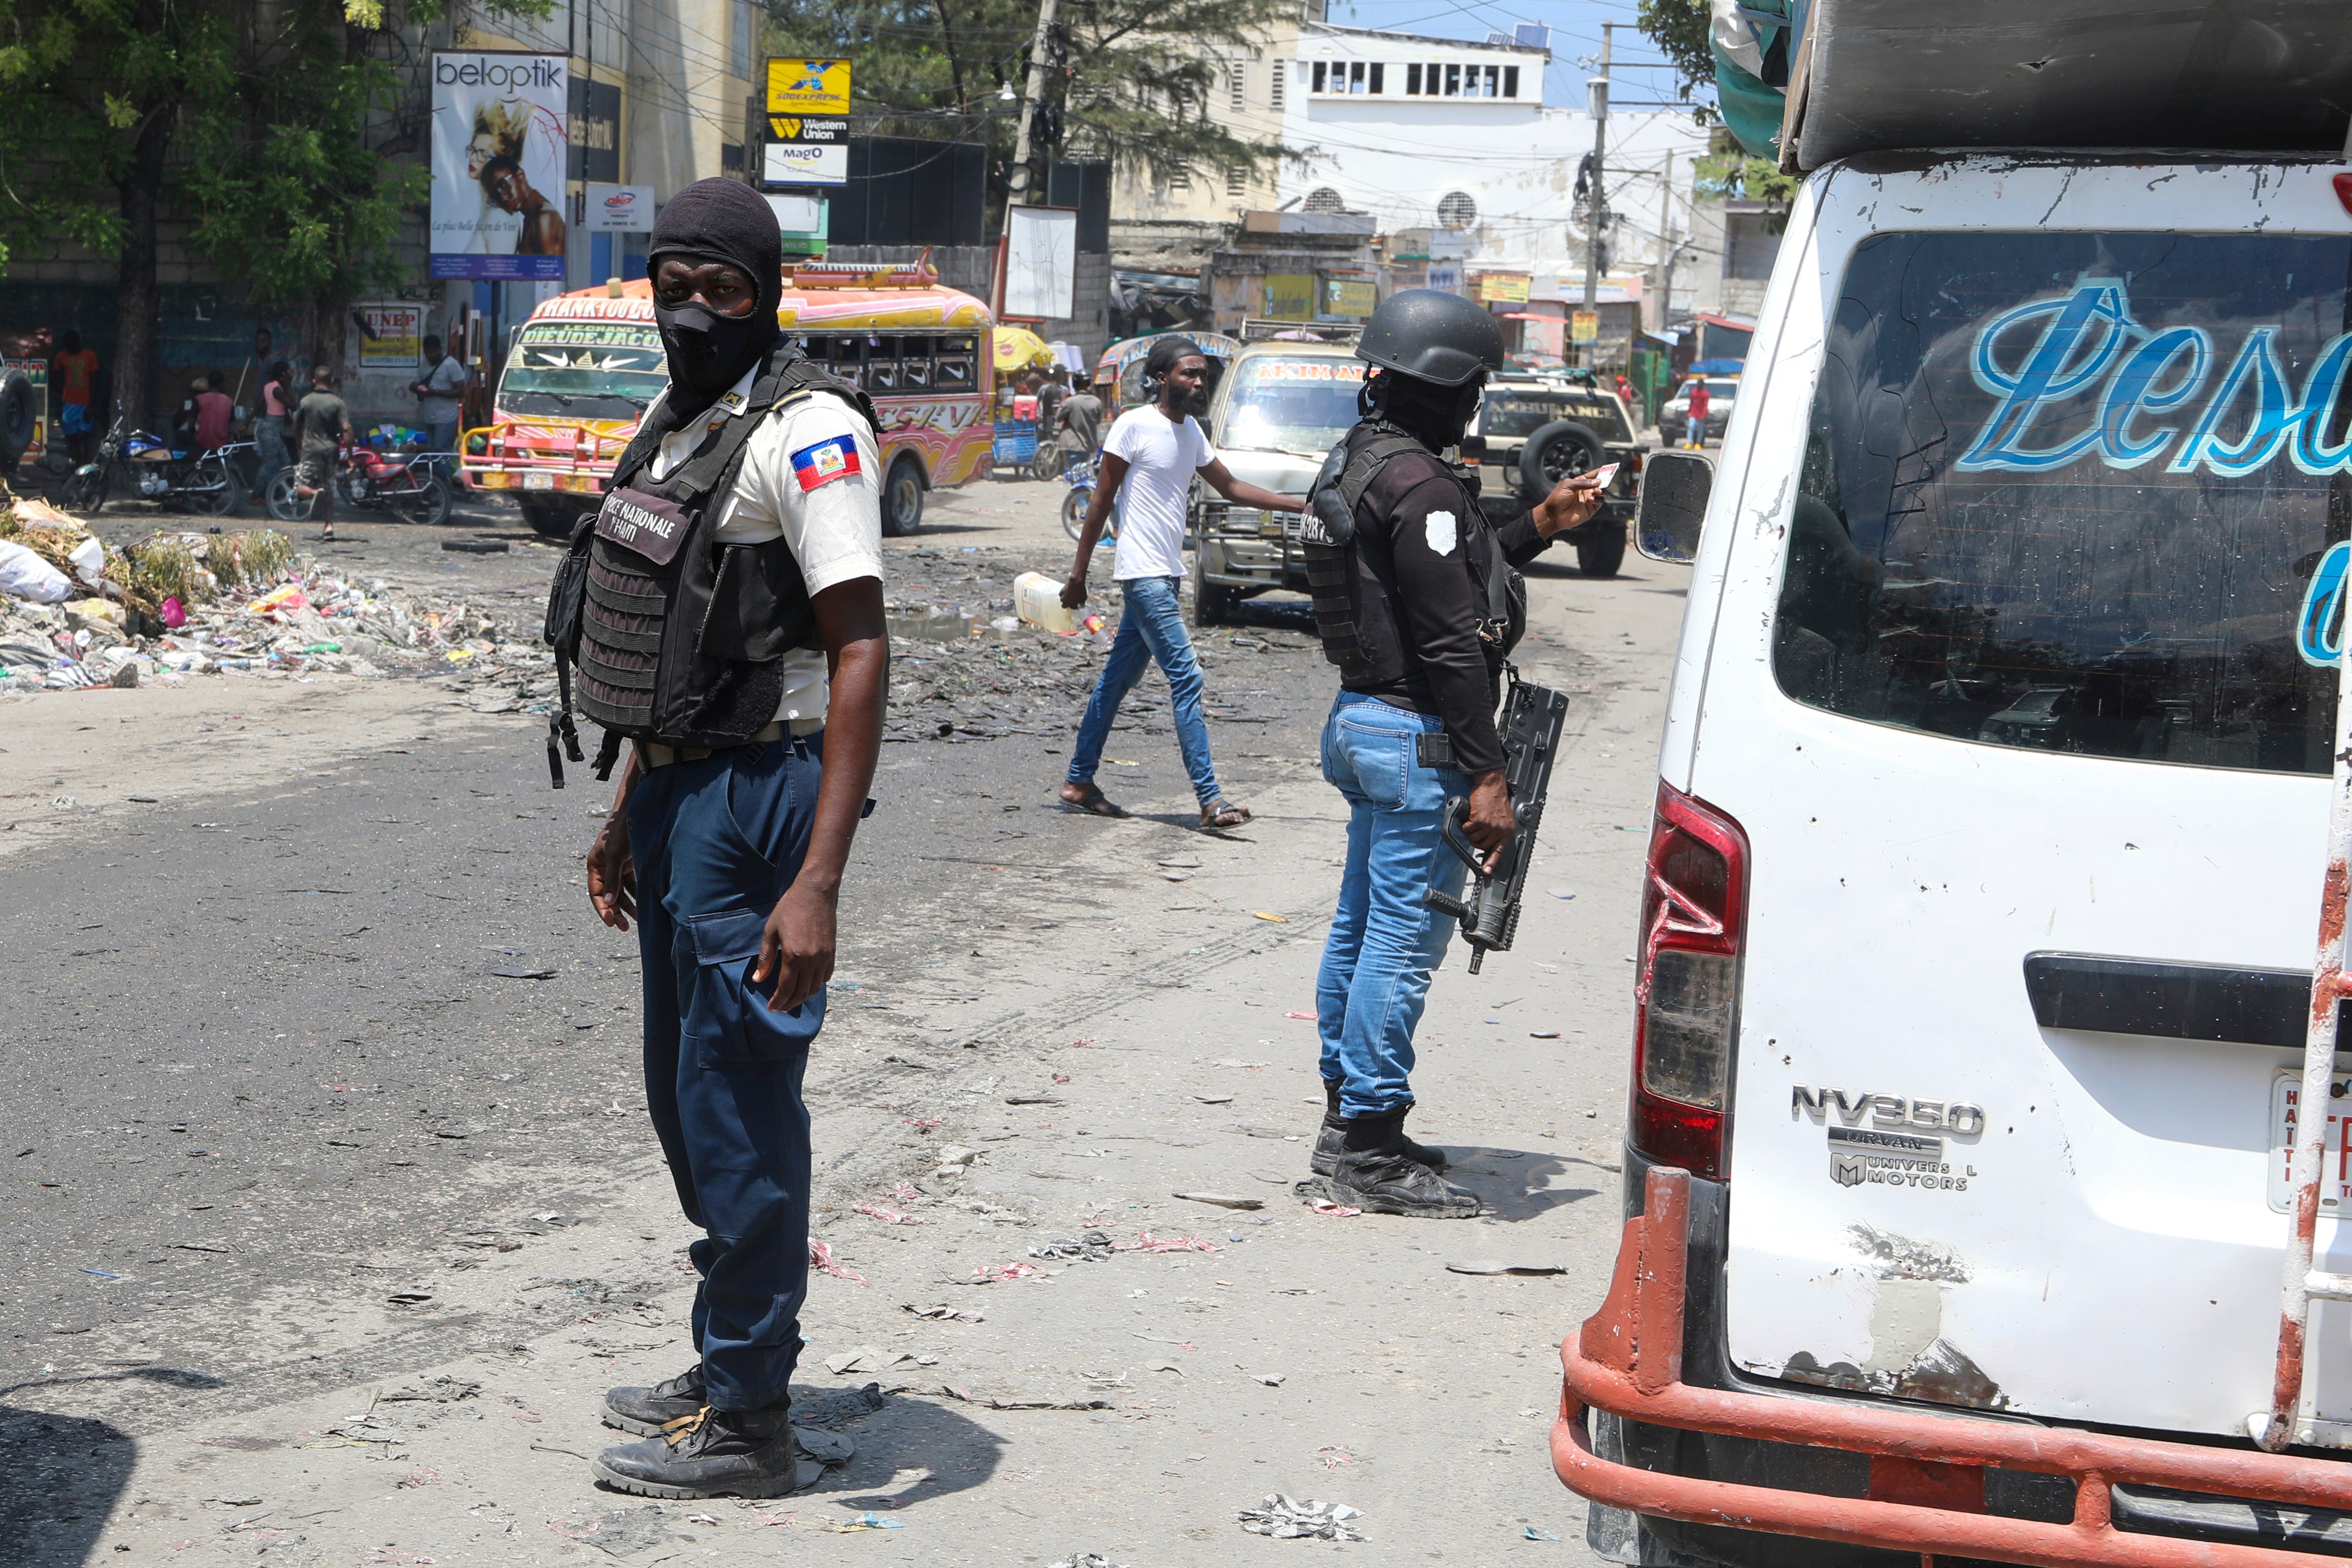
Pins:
x: 77, y: 613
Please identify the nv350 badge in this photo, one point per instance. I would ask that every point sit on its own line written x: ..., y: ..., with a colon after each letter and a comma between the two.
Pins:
x: 1902, y: 1144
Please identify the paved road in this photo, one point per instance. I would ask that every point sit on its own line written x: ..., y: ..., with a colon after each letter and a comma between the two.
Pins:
x: 284, y: 1056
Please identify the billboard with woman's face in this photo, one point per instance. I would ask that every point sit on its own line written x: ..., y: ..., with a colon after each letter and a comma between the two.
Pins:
x: 498, y: 149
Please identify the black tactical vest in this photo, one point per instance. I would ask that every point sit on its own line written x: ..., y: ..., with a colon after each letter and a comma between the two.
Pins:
x: 1331, y: 540
x: 677, y: 637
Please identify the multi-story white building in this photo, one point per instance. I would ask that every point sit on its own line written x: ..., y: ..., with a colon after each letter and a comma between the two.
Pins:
x: 1449, y: 149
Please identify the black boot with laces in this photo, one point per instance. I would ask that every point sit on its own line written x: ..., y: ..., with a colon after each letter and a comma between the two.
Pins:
x: 646, y: 1410
x: 713, y: 1453
x: 1375, y: 1173
x: 1324, y: 1158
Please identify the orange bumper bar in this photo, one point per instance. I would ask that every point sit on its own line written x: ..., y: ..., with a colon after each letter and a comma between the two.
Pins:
x: 1926, y: 1470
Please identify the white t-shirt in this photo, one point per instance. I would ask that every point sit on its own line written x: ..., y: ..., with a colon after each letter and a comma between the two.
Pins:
x: 1163, y: 457
x: 801, y: 483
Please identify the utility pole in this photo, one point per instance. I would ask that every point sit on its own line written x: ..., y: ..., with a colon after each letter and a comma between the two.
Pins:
x: 1021, y: 180
x: 1674, y: 241
x: 1596, y: 91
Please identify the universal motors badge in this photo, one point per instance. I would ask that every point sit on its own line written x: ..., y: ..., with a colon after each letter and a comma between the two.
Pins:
x: 1902, y: 1143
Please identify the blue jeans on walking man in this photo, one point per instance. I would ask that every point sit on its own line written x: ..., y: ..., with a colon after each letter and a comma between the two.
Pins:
x: 717, y: 841
x: 1384, y: 942
x: 1151, y: 627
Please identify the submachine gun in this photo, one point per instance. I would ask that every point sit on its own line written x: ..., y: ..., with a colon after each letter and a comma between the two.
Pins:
x: 1533, y: 716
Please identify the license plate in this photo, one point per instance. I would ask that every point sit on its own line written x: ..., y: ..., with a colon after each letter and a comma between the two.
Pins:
x: 2335, y: 1168
x: 539, y: 482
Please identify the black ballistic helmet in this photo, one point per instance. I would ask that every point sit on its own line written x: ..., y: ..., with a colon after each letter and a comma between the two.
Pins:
x: 1432, y: 336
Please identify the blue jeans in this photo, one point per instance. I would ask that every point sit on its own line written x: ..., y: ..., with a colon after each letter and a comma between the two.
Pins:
x: 1152, y: 628
x: 269, y: 449
x: 716, y: 843
x: 1694, y: 431
x: 442, y: 436
x: 1384, y: 942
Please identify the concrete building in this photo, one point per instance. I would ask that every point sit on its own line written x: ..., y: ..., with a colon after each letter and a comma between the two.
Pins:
x: 1440, y: 157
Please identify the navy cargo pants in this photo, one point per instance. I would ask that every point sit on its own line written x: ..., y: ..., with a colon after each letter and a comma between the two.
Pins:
x: 716, y: 844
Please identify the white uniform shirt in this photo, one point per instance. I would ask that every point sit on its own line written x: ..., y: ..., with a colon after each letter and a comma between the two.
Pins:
x: 799, y: 482
x: 1162, y: 456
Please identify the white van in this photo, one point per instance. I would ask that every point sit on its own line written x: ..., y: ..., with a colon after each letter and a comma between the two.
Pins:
x: 1975, y: 959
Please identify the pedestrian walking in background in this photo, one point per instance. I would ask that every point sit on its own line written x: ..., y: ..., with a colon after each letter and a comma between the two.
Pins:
x: 269, y: 424
x: 436, y: 397
x: 325, y: 426
x: 747, y: 776
x: 1077, y: 424
x: 74, y: 373
x: 1694, y: 436
x: 1149, y: 463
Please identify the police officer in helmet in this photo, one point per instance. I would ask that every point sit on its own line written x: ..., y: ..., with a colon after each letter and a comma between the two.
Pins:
x: 1415, y: 602
x: 725, y: 612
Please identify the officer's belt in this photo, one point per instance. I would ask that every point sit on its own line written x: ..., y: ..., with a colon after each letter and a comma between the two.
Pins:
x: 653, y: 754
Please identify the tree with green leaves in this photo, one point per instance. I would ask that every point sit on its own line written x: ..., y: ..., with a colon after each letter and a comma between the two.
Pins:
x: 1679, y: 28
x: 282, y: 129
x: 1127, y: 81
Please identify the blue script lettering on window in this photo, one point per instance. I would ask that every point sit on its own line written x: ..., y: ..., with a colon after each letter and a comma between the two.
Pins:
x: 2088, y: 340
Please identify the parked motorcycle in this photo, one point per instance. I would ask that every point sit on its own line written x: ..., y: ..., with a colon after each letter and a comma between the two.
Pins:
x: 1080, y: 475
x: 413, y: 486
x: 151, y: 469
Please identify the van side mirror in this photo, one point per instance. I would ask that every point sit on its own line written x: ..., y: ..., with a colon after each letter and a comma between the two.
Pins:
x: 1667, y: 519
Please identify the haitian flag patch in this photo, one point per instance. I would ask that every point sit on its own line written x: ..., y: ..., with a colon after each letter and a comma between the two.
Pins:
x: 825, y: 462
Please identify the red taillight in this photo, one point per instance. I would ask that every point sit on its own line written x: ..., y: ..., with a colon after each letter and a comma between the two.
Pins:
x: 1687, y: 1015
x: 2344, y: 191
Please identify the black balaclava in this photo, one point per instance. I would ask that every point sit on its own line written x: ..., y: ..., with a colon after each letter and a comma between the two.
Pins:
x: 1437, y: 416
x: 716, y: 220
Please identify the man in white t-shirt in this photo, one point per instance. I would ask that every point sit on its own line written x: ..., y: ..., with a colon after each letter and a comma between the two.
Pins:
x: 1151, y: 457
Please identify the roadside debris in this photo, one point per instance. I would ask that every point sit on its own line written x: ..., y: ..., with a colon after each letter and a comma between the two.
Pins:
x: 943, y: 1312
x: 1289, y: 1519
x: 821, y: 1259
x: 1497, y: 1266
x: 240, y: 604
x: 1223, y: 1200
x: 1086, y: 1560
x: 1535, y: 1534
x: 841, y: 1404
x: 1017, y: 1400
x: 887, y: 1217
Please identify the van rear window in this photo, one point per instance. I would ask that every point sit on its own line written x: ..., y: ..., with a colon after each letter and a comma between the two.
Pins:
x: 2081, y: 492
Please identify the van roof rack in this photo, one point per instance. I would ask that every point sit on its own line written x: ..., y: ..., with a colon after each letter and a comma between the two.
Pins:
x: 1257, y: 330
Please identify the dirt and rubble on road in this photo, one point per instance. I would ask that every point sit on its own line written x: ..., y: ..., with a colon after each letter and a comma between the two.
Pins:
x: 184, y: 604
x: 343, y: 1207
x: 964, y: 667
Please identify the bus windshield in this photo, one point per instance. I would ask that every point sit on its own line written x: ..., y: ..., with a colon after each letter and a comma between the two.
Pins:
x: 585, y: 369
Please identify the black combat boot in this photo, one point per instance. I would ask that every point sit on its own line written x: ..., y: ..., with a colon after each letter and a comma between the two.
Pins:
x: 1325, y: 1156
x: 1375, y: 1173
x: 646, y: 1410
x: 713, y: 1453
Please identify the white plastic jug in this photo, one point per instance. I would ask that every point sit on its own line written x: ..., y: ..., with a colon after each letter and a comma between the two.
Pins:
x: 1037, y: 599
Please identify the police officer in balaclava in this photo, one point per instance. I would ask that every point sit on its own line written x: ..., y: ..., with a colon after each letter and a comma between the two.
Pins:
x: 736, y: 553
x: 1414, y: 604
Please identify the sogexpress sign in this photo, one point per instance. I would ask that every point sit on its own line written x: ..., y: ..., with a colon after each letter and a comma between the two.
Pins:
x: 2076, y: 376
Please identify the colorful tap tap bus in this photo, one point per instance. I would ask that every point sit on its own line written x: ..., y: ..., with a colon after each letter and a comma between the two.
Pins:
x: 581, y: 373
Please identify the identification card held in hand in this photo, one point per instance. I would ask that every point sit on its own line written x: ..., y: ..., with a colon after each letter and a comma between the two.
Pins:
x: 1603, y: 474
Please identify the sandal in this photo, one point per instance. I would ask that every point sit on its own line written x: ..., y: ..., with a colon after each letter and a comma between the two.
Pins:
x: 1223, y: 812
x: 1091, y: 800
